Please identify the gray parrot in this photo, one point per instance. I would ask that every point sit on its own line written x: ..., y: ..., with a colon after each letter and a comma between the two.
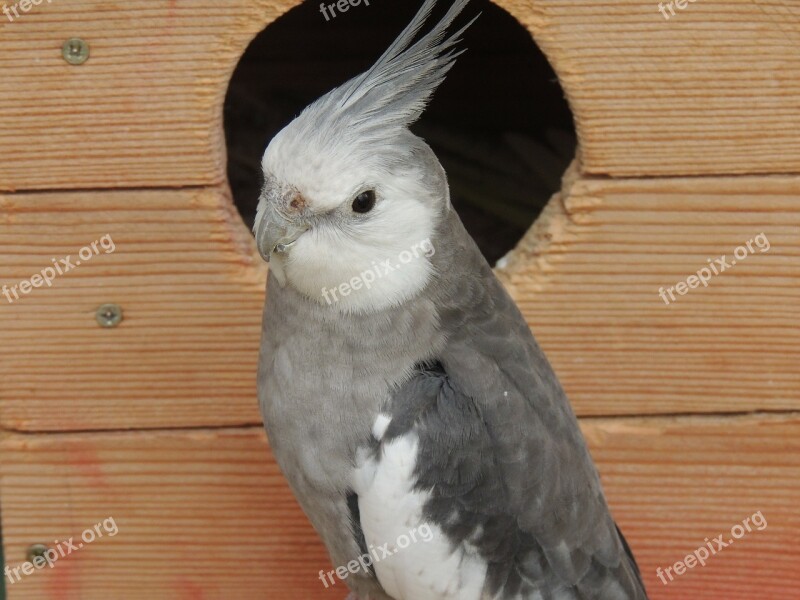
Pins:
x: 415, y: 418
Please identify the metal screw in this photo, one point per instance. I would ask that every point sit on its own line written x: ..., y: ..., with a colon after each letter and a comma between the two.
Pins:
x: 108, y: 315
x: 75, y: 51
x: 36, y: 553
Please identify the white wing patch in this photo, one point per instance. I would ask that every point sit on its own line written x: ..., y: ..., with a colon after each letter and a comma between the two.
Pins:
x: 418, y: 567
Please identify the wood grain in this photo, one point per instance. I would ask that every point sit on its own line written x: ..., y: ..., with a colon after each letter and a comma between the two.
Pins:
x: 201, y: 515
x: 587, y: 279
x: 673, y: 482
x: 145, y: 110
x: 712, y: 91
x: 187, y: 275
x: 205, y: 514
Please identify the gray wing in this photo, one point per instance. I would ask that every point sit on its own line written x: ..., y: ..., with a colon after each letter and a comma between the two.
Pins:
x: 502, y: 455
x: 574, y: 552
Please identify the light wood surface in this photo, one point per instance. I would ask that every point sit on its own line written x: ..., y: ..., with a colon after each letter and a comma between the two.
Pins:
x: 186, y: 274
x: 711, y: 91
x: 205, y: 514
x: 144, y: 111
x: 201, y: 515
x: 587, y: 278
x: 673, y: 482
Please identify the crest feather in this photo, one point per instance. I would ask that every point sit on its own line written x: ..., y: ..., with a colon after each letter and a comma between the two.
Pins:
x: 380, y: 103
x: 395, y: 90
x: 423, y: 64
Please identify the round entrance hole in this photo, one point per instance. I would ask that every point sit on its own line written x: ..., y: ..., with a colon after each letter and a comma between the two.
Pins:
x: 499, y: 124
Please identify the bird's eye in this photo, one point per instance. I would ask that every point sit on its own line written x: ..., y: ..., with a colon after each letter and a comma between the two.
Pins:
x: 364, y: 202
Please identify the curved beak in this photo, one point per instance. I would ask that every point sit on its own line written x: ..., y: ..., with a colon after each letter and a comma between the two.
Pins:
x: 276, y: 233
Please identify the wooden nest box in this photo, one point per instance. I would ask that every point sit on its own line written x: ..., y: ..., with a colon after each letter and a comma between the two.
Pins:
x: 689, y: 137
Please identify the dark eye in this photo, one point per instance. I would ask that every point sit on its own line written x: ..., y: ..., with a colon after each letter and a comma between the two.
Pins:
x: 364, y: 202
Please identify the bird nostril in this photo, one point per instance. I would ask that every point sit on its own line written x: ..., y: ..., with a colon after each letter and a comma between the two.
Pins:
x: 298, y: 202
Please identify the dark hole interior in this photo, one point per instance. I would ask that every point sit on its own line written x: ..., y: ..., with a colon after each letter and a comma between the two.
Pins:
x: 499, y: 124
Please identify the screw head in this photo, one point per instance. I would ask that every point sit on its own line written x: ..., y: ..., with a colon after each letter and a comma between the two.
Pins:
x: 36, y: 554
x: 108, y: 315
x: 75, y: 51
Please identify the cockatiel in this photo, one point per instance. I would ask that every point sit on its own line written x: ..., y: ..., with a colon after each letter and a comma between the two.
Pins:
x: 405, y: 391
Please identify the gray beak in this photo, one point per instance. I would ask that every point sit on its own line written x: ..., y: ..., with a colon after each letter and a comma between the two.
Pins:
x: 276, y: 234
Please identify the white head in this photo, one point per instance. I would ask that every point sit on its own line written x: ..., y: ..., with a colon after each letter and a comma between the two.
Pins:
x: 348, y: 187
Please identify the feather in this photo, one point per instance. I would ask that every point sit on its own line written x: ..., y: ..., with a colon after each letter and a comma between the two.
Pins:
x: 403, y: 79
x: 390, y: 96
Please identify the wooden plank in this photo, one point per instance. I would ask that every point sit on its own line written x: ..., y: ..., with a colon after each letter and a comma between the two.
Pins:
x: 587, y: 279
x: 200, y: 515
x: 190, y: 282
x: 713, y: 90
x: 145, y: 110
x: 673, y: 482
x: 187, y: 275
x: 205, y: 514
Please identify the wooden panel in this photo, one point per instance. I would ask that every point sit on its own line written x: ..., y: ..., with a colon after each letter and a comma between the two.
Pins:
x: 205, y: 514
x: 713, y: 90
x: 200, y: 515
x: 187, y: 275
x: 145, y: 110
x: 673, y: 482
x: 587, y: 279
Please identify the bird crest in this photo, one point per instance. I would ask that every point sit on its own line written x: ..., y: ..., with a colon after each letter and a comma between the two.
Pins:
x: 393, y: 93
